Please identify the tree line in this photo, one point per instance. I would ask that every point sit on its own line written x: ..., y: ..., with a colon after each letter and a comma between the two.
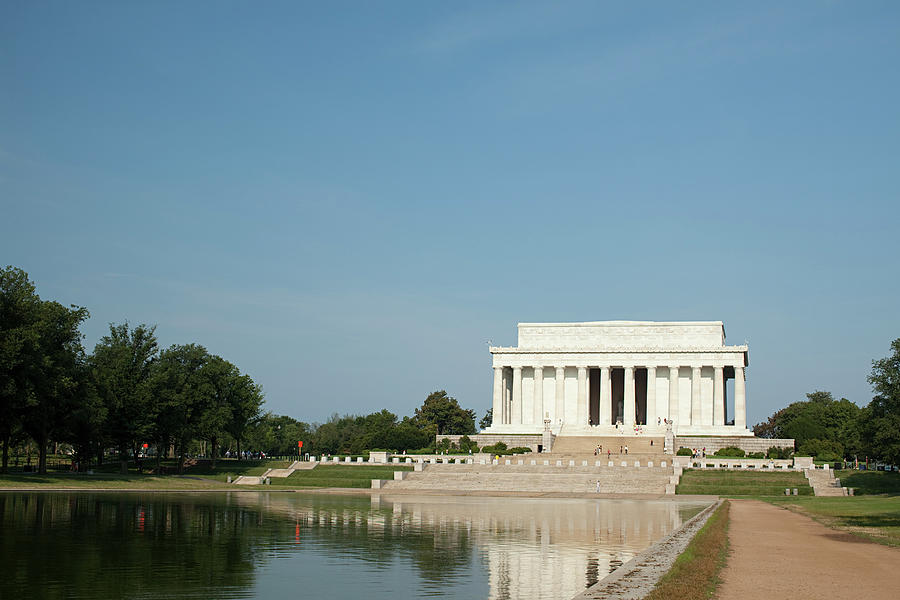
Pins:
x: 831, y: 429
x: 128, y: 392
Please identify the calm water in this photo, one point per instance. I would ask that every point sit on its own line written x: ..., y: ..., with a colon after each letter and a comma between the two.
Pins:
x: 294, y: 545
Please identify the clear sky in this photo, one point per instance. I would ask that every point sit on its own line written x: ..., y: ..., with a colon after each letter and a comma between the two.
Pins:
x: 348, y: 199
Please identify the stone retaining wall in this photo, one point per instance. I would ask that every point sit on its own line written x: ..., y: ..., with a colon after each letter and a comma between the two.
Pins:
x: 747, y: 444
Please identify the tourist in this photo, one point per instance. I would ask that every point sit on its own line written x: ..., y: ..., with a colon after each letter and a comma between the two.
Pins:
x: 626, y: 449
x: 598, y: 486
x: 620, y: 449
x: 657, y: 420
x: 608, y: 454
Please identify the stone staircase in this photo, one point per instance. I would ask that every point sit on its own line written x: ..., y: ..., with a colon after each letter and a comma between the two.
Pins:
x: 585, y: 445
x: 254, y: 480
x: 824, y: 483
x: 537, y: 479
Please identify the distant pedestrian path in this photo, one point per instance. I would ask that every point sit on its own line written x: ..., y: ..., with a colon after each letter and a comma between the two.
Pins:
x: 776, y: 553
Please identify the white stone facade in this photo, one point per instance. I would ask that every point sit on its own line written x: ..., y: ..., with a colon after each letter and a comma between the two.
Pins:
x: 610, y: 377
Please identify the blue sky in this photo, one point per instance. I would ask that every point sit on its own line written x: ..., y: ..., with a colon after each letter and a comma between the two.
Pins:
x: 347, y: 200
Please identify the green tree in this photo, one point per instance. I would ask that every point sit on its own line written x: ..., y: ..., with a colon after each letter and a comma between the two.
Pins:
x: 181, y: 393
x: 245, y: 399
x: 121, y: 366
x: 83, y: 427
x: 222, y: 382
x: 277, y: 435
x: 820, y: 423
x: 53, y: 374
x: 487, y: 420
x: 881, y: 422
x: 446, y: 414
x: 19, y: 314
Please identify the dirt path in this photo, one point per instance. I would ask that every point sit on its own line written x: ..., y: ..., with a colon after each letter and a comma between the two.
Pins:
x: 779, y: 554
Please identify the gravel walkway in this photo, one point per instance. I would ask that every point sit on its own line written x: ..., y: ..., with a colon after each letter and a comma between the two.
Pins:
x: 776, y: 553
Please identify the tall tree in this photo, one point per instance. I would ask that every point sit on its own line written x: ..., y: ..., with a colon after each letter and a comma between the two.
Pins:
x: 19, y: 314
x: 53, y: 374
x: 121, y: 367
x: 245, y: 399
x: 444, y: 411
x: 233, y: 403
x: 881, y: 424
x: 180, y: 392
x: 820, y: 425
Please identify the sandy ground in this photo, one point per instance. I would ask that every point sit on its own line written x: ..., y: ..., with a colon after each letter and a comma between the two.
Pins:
x: 779, y: 554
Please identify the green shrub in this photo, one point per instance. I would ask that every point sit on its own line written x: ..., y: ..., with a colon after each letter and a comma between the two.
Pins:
x: 730, y: 451
x: 780, y: 453
x: 756, y: 455
x: 466, y: 444
x: 498, y: 448
x: 821, y: 449
x: 519, y: 450
x: 684, y: 452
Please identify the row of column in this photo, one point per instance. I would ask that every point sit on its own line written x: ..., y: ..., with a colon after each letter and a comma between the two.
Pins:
x: 512, y: 414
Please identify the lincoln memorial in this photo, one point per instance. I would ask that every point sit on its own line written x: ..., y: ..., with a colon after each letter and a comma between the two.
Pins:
x: 615, y: 377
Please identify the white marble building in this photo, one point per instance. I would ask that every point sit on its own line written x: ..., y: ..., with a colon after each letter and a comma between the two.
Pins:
x: 585, y: 378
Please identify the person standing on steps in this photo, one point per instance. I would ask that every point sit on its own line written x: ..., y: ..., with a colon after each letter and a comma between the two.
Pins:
x: 626, y: 449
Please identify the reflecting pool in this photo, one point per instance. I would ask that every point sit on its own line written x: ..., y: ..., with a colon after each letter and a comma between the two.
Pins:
x: 301, y: 545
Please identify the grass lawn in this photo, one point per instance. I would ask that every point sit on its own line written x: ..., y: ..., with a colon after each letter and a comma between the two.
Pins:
x: 742, y: 483
x: 196, y: 476
x: 350, y: 476
x: 108, y: 481
x: 870, y: 482
x: 876, y: 518
x: 695, y: 573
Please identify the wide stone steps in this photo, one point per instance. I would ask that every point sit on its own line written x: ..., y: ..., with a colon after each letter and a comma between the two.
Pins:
x: 535, y: 483
x: 586, y: 444
x: 536, y: 478
x: 823, y: 483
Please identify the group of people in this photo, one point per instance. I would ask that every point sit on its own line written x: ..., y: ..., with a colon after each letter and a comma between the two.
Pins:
x: 245, y: 454
x: 701, y: 453
x: 599, y: 450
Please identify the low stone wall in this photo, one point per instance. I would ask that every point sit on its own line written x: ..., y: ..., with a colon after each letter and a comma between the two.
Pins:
x: 489, y: 439
x: 747, y: 444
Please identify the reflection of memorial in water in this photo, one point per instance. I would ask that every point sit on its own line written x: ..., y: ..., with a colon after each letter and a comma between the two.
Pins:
x: 531, y: 548
x: 550, y: 548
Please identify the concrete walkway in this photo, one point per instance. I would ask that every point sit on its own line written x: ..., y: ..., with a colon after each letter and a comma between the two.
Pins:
x: 776, y: 553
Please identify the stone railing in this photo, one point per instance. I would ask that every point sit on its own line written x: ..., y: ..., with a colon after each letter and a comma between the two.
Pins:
x: 798, y: 463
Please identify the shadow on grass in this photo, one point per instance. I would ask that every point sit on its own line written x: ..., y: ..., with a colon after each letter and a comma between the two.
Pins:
x: 872, y: 521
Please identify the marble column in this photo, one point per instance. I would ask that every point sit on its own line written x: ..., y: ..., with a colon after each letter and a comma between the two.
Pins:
x: 538, y: 396
x: 628, y: 420
x: 605, y: 397
x: 718, y: 396
x: 651, y: 396
x: 517, y: 396
x: 696, y: 418
x: 582, y: 397
x: 498, y: 396
x: 673, y: 393
x: 740, y: 399
x: 560, y: 401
